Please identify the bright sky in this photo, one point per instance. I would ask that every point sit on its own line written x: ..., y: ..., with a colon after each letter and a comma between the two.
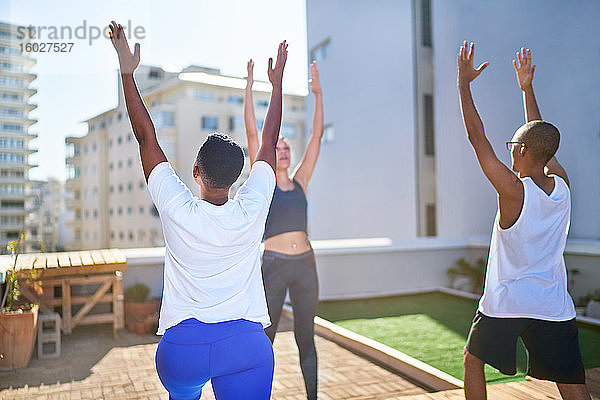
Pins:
x: 216, y: 33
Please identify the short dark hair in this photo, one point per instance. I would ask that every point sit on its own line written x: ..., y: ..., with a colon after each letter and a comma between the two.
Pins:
x: 541, y: 138
x: 220, y: 161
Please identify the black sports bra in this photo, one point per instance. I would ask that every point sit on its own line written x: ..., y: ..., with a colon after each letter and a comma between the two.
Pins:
x: 287, y: 212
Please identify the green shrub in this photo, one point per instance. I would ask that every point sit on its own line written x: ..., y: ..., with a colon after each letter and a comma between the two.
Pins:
x: 137, y: 293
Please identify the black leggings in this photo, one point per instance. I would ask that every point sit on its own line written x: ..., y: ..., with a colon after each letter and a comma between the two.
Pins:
x: 298, y: 274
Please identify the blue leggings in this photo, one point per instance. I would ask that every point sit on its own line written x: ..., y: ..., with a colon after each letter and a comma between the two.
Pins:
x: 236, y: 355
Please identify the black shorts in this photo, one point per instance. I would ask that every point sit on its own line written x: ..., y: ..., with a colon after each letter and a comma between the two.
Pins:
x: 552, y: 347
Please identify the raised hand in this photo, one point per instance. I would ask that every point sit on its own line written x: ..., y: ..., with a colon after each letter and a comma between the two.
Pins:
x: 466, y: 72
x: 524, y: 68
x: 315, y: 84
x: 276, y: 74
x: 250, y: 76
x: 128, y: 62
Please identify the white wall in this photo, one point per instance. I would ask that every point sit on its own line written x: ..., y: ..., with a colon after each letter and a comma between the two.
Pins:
x: 364, y: 182
x: 565, y: 42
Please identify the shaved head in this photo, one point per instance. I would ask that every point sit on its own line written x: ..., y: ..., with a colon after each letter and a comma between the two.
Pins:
x: 541, y: 138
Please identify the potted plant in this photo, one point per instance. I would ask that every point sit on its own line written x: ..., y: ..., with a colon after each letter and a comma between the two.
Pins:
x: 592, y: 309
x: 467, y: 276
x: 18, y: 319
x: 140, y: 312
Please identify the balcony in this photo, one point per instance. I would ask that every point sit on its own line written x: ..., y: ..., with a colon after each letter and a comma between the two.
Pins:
x: 16, y: 165
x: 20, y: 104
x: 12, y: 226
x: 18, y: 150
x: 22, y: 58
x: 24, y: 90
x: 13, y: 211
x: 19, y: 119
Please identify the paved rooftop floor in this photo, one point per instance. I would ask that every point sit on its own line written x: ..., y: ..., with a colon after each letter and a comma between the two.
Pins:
x: 95, y: 366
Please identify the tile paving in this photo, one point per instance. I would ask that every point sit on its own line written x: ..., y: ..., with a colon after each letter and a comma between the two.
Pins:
x: 93, y: 365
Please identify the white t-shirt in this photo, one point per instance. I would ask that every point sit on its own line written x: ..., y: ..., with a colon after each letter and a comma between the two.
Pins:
x: 526, y: 275
x: 212, y: 253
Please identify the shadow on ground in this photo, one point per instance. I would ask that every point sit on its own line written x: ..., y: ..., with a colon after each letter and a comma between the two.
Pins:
x: 80, y: 351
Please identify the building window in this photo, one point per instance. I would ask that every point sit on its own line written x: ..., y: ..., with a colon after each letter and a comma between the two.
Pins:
x: 94, y: 146
x: 110, y: 143
x: 163, y: 118
x: 129, y: 210
x: 130, y: 236
x: 233, y: 99
x: 210, y: 123
x: 155, y: 73
x: 236, y: 124
x: 95, y: 214
x: 111, y: 188
x: 110, y: 166
x: 129, y: 163
x: 154, y: 211
x: 428, y: 124
x: 120, y: 140
x: 129, y: 137
x: 430, y: 222
x: 203, y: 95
x: 129, y: 187
x: 120, y: 211
x: 110, y: 212
x: 87, y: 214
x: 121, y: 236
x: 112, y: 235
x: 120, y: 116
x: 120, y: 188
x: 120, y: 164
x: 426, y: 23
x: 142, y: 185
x: 141, y: 210
x: 321, y: 51
x: 262, y: 103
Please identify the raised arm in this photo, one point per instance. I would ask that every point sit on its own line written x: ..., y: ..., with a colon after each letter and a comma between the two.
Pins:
x: 249, y: 117
x: 525, y: 69
x: 143, y: 128
x: 306, y: 167
x: 506, y: 183
x: 270, y: 132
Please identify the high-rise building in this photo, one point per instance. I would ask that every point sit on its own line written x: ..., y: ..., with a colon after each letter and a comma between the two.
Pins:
x: 110, y: 203
x: 15, y: 92
x: 396, y: 152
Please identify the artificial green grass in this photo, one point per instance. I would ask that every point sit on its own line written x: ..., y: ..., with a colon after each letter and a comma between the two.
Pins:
x: 433, y: 328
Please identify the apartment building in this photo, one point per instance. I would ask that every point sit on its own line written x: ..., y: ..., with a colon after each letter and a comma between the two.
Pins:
x: 47, y: 205
x: 396, y: 152
x: 15, y: 106
x: 110, y: 203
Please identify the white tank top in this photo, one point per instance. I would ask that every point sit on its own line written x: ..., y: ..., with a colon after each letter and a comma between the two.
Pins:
x: 526, y: 274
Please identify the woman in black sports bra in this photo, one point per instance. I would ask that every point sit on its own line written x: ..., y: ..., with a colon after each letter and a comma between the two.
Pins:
x: 288, y: 260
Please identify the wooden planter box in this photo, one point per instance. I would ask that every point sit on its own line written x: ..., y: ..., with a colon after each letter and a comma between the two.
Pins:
x: 17, y: 337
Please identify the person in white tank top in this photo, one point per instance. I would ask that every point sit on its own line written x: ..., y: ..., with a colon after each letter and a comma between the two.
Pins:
x: 525, y: 292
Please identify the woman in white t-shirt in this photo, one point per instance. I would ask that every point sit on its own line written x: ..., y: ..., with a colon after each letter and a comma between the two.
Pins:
x: 213, y: 307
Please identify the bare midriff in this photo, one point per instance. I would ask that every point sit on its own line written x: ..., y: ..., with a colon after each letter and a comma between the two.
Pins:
x: 288, y: 243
